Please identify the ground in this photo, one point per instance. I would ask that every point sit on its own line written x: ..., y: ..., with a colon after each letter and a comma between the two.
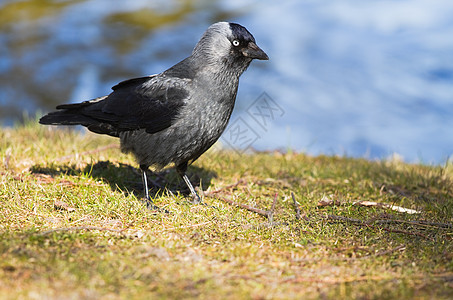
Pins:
x: 73, y: 224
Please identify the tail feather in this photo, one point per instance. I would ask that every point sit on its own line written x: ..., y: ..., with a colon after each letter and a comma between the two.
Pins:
x: 73, y: 114
x: 65, y: 118
x: 74, y: 117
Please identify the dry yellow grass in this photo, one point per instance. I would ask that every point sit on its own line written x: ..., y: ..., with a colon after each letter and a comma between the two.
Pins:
x: 73, y: 225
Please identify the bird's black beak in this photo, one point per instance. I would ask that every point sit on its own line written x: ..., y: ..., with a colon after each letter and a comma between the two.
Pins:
x: 253, y: 51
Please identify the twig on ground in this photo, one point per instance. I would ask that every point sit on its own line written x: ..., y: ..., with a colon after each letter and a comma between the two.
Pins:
x: 77, y: 228
x: 400, y: 231
x: 399, y: 248
x: 270, y: 213
x: 417, y: 223
x: 240, y: 181
x: 248, y: 207
x: 386, y: 206
x: 326, y: 201
x: 296, y: 206
x: 362, y: 223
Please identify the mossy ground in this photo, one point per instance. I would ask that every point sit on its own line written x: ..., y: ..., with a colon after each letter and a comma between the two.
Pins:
x: 73, y: 225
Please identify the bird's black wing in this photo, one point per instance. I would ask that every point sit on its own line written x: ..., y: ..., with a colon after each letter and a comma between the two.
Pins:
x: 149, y: 103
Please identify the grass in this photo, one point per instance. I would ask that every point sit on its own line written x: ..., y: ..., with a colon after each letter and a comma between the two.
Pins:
x: 73, y: 225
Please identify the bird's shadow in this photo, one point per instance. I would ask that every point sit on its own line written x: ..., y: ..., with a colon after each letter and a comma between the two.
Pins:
x: 127, y: 179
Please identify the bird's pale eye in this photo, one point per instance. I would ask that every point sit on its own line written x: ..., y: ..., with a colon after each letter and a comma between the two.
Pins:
x: 236, y: 43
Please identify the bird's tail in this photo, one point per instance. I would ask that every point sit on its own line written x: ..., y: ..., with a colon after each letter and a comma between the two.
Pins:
x: 70, y: 114
x: 65, y: 117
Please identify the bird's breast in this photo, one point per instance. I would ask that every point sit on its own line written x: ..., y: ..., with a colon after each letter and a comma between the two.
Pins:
x: 210, y: 108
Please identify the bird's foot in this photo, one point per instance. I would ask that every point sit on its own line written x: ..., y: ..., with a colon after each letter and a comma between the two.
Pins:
x: 151, y: 206
x: 196, y: 200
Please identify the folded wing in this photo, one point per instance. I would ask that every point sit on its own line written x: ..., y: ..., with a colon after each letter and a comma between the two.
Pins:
x: 151, y: 103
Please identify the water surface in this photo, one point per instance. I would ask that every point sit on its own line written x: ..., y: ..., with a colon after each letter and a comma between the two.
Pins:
x: 357, y: 78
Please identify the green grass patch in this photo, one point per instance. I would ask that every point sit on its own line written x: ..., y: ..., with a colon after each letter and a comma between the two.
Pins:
x: 73, y: 224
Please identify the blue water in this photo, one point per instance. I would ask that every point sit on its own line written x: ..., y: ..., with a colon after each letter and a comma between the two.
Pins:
x: 358, y: 78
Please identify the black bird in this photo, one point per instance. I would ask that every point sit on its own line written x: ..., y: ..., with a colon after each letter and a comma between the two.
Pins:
x: 174, y: 116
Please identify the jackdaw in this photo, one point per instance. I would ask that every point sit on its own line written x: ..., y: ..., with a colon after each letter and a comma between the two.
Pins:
x: 175, y: 116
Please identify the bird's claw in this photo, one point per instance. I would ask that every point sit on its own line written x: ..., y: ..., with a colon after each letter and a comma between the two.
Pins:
x: 151, y: 206
x: 196, y: 200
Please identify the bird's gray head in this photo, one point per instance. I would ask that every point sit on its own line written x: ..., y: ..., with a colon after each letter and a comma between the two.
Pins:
x: 228, y: 44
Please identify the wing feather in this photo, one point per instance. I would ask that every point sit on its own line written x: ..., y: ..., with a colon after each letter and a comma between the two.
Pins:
x: 151, y: 103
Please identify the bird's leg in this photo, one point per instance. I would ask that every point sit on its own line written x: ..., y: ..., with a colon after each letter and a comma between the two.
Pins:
x: 149, y: 201
x: 181, y: 169
x: 197, y: 198
x: 145, y: 183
